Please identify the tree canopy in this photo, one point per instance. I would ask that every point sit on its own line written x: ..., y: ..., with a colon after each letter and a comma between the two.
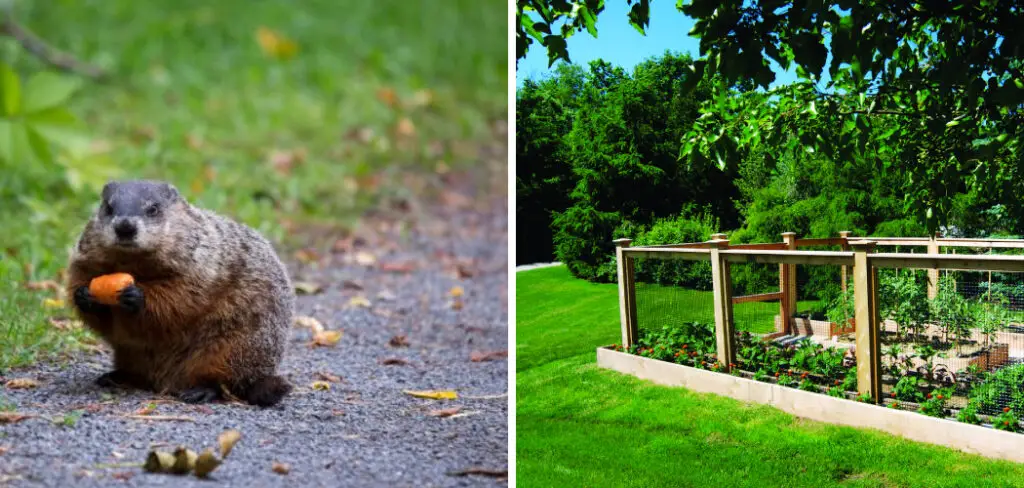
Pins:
x: 931, y: 88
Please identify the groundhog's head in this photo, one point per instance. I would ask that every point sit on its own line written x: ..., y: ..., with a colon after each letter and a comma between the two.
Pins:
x: 135, y: 215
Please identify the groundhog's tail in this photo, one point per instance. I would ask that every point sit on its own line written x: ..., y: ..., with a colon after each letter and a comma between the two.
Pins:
x: 266, y: 391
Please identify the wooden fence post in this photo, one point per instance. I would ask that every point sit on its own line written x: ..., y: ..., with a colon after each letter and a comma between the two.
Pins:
x: 787, y: 286
x: 725, y: 328
x: 627, y: 294
x: 933, y: 274
x: 865, y: 292
x: 845, y: 235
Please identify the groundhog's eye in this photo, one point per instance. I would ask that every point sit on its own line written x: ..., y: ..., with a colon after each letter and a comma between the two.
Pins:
x: 152, y: 211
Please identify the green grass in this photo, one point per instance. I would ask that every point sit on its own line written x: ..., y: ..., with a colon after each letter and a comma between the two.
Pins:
x: 578, y: 425
x: 194, y: 100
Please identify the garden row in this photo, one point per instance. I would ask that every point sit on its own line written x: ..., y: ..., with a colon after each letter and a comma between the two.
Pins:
x: 990, y: 398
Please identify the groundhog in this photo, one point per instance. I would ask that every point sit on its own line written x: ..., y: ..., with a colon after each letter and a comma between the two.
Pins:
x: 211, y: 304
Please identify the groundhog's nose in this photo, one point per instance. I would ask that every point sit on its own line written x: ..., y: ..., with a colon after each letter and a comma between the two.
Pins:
x: 125, y: 230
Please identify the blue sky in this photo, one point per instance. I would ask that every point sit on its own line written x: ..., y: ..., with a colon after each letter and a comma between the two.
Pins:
x: 620, y: 44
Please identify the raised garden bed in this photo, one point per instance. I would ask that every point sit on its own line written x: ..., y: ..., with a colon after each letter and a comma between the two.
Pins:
x: 816, y: 406
x: 917, y: 384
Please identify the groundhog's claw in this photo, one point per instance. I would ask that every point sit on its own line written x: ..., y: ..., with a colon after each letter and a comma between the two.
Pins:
x: 199, y: 394
x: 132, y: 299
x: 86, y: 302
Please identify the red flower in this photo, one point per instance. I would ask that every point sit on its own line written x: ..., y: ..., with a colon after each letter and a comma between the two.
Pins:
x: 929, y: 395
x: 776, y: 374
x: 939, y: 396
x: 1006, y: 422
x: 893, y: 394
x: 732, y: 365
x: 685, y: 346
x: 838, y: 382
x: 1006, y: 409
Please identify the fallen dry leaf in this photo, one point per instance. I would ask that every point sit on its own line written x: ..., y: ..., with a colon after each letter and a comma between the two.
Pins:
x: 284, y: 161
x: 433, y: 395
x: 307, y: 256
x: 123, y: 475
x: 13, y: 417
x: 21, y: 383
x: 351, y: 285
x: 184, y: 460
x: 496, y: 473
x: 399, y: 341
x: 203, y: 409
x: 359, y: 301
x: 280, y: 468
x: 275, y: 44
x: 328, y: 377
x: 337, y: 412
x: 394, y: 361
x: 206, y: 463
x: 457, y: 304
x: 169, y: 418
x: 43, y: 285
x: 61, y: 323
x: 4, y: 450
x: 464, y: 271
x: 159, y: 462
x: 388, y: 96
x: 364, y: 258
x: 404, y: 267
x: 456, y: 291
x: 320, y: 385
x: 328, y: 338
x: 310, y: 323
x: 477, y: 356
x: 405, y: 128
x: 422, y: 98
x: 53, y: 303
x: 445, y: 412
x: 307, y: 287
x: 227, y: 440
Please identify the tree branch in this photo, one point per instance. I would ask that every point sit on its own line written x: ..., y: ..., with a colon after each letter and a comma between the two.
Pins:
x: 48, y: 54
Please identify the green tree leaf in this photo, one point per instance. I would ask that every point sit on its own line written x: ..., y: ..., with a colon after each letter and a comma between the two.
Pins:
x: 10, y: 91
x: 46, y: 90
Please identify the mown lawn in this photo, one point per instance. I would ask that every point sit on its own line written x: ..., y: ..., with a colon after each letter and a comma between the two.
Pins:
x: 308, y: 140
x: 577, y: 425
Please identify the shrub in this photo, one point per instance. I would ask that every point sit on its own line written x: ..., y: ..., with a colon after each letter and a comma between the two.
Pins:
x: 583, y: 241
x: 686, y: 227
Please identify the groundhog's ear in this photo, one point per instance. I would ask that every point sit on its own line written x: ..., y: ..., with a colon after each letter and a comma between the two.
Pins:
x: 171, y: 192
x: 108, y: 190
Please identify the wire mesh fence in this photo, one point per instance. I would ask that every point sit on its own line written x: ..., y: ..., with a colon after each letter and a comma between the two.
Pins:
x: 675, y: 311
x: 799, y: 350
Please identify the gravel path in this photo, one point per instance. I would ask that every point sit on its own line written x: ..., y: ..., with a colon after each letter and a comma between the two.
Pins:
x: 363, y: 430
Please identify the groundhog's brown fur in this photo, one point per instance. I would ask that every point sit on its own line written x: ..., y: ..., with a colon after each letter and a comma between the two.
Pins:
x: 211, y: 304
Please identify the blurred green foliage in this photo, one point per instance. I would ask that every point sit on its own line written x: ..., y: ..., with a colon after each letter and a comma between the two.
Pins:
x: 267, y: 111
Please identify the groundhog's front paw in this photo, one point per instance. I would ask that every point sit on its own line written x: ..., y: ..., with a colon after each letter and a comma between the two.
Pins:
x: 86, y: 302
x: 132, y: 299
x: 199, y: 394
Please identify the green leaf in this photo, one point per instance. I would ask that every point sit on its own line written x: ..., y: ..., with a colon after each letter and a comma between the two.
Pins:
x: 10, y: 91
x: 58, y: 126
x: 556, y: 49
x: 47, y: 90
